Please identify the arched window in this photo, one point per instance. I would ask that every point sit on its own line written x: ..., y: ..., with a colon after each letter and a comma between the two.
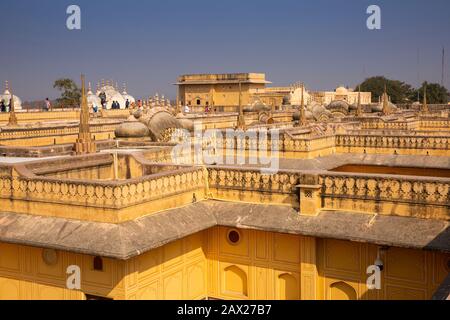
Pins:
x: 236, y: 281
x: 198, y: 102
x: 98, y: 264
x: 288, y: 285
x: 342, y: 291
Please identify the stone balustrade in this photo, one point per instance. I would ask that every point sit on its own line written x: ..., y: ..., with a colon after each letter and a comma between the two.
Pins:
x: 31, y: 132
x: 253, y: 180
x: 402, y: 195
x: 398, y: 141
x: 109, y: 194
x: 378, y: 123
x: 435, y: 123
x: 399, y: 195
x: 57, y: 114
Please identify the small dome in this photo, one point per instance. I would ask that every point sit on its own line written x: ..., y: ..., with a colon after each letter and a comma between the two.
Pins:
x: 296, y: 116
x: 159, y: 121
x: 6, y: 97
x: 379, y: 107
x: 338, y: 104
x: 341, y: 90
x: 132, y: 129
x: 317, y: 108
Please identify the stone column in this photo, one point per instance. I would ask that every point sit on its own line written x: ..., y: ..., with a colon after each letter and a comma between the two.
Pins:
x: 308, y: 268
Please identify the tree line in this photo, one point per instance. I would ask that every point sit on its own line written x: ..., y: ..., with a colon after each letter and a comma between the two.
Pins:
x: 401, y: 92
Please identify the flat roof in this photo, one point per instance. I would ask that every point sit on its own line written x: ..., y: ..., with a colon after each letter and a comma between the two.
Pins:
x: 222, y: 78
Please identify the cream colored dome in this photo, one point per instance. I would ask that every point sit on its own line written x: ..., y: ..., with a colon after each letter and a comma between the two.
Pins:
x: 6, y: 96
x: 132, y: 129
x: 341, y: 90
x: 159, y: 121
x: 115, y: 97
x: 338, y: 104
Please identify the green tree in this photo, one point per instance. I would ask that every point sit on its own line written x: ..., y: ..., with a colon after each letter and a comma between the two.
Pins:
x: 399, y: 91
x: 70, y: 93
x: 436, y: 94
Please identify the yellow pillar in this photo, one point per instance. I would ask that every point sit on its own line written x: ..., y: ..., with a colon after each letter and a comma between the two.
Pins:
x: 308, y: 269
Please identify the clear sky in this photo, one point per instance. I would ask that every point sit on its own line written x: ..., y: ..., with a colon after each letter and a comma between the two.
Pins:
x: 147, y: 44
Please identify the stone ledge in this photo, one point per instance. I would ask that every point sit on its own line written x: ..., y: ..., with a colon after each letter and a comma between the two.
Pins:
x: 132, y: 238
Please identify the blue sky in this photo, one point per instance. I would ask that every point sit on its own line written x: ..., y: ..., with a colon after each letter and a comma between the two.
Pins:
x: 147, y: 44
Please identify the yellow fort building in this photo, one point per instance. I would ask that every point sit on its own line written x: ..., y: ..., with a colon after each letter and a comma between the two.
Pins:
x: 109, y: 206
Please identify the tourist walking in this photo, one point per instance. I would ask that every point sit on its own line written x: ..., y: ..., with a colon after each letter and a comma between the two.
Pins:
x: 48, y: 104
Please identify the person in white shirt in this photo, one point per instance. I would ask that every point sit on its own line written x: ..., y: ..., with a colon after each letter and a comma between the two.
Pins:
x: 48, y: 105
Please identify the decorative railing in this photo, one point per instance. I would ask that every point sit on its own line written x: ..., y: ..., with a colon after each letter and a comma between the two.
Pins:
x: 308, y: 144
x: 411, y: 142
x: 439, y: 123
x: 242, y: 179
x: 279, y: 143
x: 412, y: 190
x: 16, y: 133
x: 111, y: 194
x: 380, y: 124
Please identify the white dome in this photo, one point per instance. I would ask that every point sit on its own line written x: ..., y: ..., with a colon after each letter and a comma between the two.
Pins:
x: 6, y: 96
x: 94, y: 100
x: 107, y: 88
x: 341, y: 90
x: 113, y: 94
x: 116, y: 97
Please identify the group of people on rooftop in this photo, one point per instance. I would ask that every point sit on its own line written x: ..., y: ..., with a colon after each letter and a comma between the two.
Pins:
x: 4, y: 105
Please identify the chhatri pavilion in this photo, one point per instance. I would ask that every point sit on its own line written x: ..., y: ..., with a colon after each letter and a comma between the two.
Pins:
x: 299, y: 201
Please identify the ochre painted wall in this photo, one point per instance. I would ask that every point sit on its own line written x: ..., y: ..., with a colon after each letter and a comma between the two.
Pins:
x: 261, y: 265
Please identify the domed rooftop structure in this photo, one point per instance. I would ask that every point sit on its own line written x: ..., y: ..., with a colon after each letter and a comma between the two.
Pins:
x: 338, y: 108
x: 379, y: 107
x: 341, y: 90
x: 132, y: 130
x: 161, y: 124
x: 112, y: 94
x: 115, y: 97
x: 319, y: 112
x: 257, y: 106
x: 338, y: 104
x: 6, y: 97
